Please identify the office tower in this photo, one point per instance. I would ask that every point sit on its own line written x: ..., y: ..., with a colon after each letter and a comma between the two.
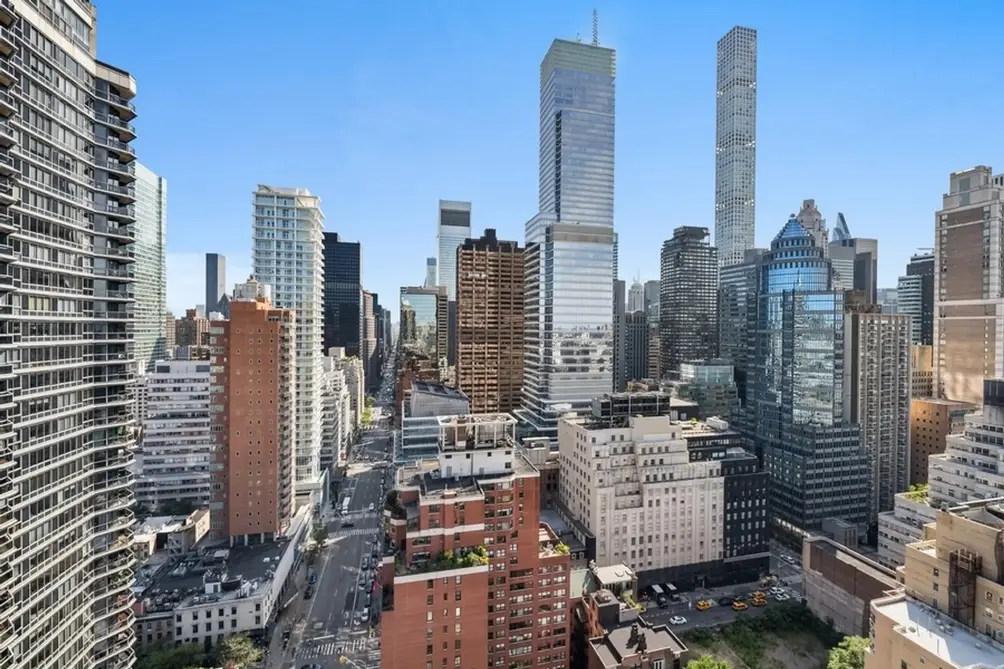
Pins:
x: 737, y: 299
x: 711, y: 385
x: 431, y: 272
x: 877, y: 381
x: 288, y: 256
x: 570, y: 258
x: 817, y: 465
x: 921, y: 370
x: 840, y: 231
x: 735, y: 145
x: 343, y: 294
x: 812, y: 220
x: 254, y: 455
x: 652, y: 300
x: 67, y: 307
x: 855, y: 261
x: 943, y: 615
x: 378, y: 333
x: 216, y: 280
x: 453, y: 229
x: 969, y: 294
x: 688, y: 286
x: 442, y: 598
x: 424, y: 321
x: 654, y: 353
x: 636, y: 297
x: 369, y: 343
x: 490, y: 323
x: 173, y: 460
x: 620, y: 350
x: 916, y: 297
x: 888, y: 299
x: 972, y: 466
x: 149, y: 249
x: 636, y: 346
x: 931, y: 421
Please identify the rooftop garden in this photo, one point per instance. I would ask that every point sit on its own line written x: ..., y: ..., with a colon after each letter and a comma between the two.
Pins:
x: 917, y: 493
x: 461, y: 559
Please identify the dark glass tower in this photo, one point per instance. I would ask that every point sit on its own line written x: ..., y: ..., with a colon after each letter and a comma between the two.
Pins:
x: 216, y: 281
x: 688, y: 312
x: 922, y: 265
x: 815, y: 459
x: 343, y: 293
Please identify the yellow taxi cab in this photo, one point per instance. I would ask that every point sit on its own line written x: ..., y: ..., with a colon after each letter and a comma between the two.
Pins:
x: 759, y: 601
x: 759, y: 595
x: 703, y: 605
x: 739, y: 606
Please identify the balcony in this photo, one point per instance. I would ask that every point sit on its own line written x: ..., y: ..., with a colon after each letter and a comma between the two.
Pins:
x: 447, y: 561
x: 7, y: 165
x: 7, y: 253
x: 124, y: 107
x: 126, y: 194
x: 7, y: 16
x: 7, y: 107
x: 126, y: 212
x: 7, y: 223
x: 7, y: 74
x: 124, y: 128
x: 125, y: 172
x: 124, y: 152
x: 7, y: 46
x: 7, y: 194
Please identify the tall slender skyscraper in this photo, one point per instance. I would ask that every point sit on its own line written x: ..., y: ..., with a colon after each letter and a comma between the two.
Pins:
x: 216, y: 280
x: 453, y: 229
x: 735, y: 146
x: 570, y: 243
x: 67, y: 306
x: 150, y: 249
x: 288, y: 250
x: 343, y: 294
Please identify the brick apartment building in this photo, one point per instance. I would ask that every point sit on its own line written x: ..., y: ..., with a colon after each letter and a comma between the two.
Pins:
x: 252, y: 404
x: 471, y: 577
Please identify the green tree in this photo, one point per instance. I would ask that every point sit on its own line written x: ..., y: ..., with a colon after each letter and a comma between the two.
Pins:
x: 369, y: 401
x: 320, y: 533
x: 238, y: 652
x: 849, y: 653
x: 708, y: 662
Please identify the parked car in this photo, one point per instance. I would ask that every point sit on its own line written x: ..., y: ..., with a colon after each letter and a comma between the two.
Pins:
x: 313, y: 578
x: 309, y: 592
x: 725, y: 601
x: 677, y: 620
x: 703, y: 605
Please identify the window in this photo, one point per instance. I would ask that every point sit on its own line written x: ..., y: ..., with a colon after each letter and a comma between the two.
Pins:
x: 658, y: 664
x: 428, y: 649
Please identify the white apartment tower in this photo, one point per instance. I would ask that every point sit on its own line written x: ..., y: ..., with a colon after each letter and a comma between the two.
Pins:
x: 288, y: 255
x: 67, y: 365
x: 735, y: 146
x: 173, y: 461
x: 150, y: 249
x: 335, y: 428
x: 637, y: 491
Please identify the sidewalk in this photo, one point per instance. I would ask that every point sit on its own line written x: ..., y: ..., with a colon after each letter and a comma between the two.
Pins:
x: 275, y: 657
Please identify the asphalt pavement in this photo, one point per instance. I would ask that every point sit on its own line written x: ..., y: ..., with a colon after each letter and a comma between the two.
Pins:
x: 330, y: 623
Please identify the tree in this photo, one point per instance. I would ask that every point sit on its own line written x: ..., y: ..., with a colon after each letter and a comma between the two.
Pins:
x: 238, y: 652
x: 320, y: 533
x: 708, y: 662
x: 849, y: 653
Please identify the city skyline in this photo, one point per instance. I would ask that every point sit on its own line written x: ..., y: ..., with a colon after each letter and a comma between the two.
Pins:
x: 853, y: 121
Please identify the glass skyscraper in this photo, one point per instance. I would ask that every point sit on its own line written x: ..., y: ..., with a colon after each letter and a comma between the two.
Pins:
x: 569, y: 261
x: 735, y: 146
x: 343, y: 294
x: 817, y: 465
x: 150, y: 248
x: 453, y: 230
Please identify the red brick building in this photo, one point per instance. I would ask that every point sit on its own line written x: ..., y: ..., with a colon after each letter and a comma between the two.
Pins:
x: 253, y: 362
x: 471, y: 577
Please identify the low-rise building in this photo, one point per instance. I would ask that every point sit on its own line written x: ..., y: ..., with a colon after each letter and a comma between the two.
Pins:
x: 637, y: 646
x: 173, y: 535
x: 950, y: 611
x: 427, y: 402
x: 839, y: 584
x: 931, y: 421
x: 903, y: 525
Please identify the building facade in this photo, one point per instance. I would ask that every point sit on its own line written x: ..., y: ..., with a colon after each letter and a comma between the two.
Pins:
x: 173, y: 460
x: 877, y: 383
x: 969, y: 296
x: 431, y: 272
x: 472, y: 578
x: 192, y: 329
x: 490, y: 323
x: 817, y: 464
x: 254, y: 408
x: 216, y: 280
x: 855, y: 266
x: 916, y: 296
x: 288, y: 256
x: 636, y: 346
x: 453, y: 229
x: 931, y: 421
x: 149, y: 249
x: 903, y: 525
x: 711, y: 385
x: 735, y: 145
x: 620, y: 350
x: 688, y: 314
x: 651, y: 299
x: 368, y: 352
x: 570, y: 266
x: 68, y: 231
x: 424, y: 321
x: 343, y: 294
x: 336, y: 427
x: 738, y: 286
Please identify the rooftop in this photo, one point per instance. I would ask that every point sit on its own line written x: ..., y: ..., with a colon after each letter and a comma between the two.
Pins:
x: 615, y: 573
x: 243, y: 571
x: 629, y: 640
x: 427, y: 477
x: 935, y: 633
x: 856, y: 560
x: 440, y: 389
x: 160, y: 525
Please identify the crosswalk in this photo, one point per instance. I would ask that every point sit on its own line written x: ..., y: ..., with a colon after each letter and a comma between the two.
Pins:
x: 332, y: 648
x: 354, y: 532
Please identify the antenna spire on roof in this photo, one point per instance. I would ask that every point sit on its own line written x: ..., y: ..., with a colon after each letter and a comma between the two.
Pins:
x: 596, y: 28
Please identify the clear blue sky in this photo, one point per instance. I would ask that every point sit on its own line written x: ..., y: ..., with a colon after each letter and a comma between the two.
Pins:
x: 382, y: 107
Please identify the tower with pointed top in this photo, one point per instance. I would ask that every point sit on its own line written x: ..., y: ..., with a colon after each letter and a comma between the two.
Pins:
x: 817, y: 463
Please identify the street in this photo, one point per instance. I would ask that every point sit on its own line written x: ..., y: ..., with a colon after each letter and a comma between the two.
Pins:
x: 338, y: 619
